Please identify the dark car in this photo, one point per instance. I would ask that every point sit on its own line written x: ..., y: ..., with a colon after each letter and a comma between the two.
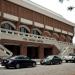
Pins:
x: 18, y: 62
x: 51, y: 60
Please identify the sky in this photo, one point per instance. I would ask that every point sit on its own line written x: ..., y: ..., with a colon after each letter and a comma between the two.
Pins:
x: 60, y: 8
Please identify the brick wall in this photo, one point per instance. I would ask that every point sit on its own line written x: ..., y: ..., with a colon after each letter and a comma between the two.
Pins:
x: 17, y: 10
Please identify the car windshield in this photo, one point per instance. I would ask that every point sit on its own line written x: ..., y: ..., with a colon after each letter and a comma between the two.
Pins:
x: 49, y: 57
x: 18, y: 57
x: 72, y: 54
x: 14, y: 57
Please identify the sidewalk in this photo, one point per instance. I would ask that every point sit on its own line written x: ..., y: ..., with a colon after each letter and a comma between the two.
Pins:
x: 1, y: 66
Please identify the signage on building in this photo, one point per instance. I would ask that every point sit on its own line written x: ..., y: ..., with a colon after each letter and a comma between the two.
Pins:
x: 33, y: 40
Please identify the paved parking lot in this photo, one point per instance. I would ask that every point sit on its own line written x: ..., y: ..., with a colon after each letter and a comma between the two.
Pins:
x: 63, y: 69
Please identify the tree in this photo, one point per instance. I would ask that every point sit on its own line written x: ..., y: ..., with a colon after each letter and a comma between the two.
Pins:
x: 71, y: 8
x: 62, y: 1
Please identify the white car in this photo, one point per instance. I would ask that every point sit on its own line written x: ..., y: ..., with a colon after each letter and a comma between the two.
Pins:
x: 69, y: 58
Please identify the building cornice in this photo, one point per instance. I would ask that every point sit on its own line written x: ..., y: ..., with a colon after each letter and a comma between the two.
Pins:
x: 30, y: 5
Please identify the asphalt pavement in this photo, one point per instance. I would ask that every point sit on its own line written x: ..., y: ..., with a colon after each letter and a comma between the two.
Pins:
x: 62, y: 69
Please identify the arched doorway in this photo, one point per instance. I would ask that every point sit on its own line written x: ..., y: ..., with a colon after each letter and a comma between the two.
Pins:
x: 62, y: 38
x: 47, y: 33
x: 24, y: 29
x: 8, y: 25
x: 56, y: 36
x: 36, y: 31
x: 68, y: 39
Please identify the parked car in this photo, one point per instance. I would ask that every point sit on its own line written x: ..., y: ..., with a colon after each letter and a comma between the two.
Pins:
x: 18, y: 62
x: 69, y: 58
x: 53, y: 59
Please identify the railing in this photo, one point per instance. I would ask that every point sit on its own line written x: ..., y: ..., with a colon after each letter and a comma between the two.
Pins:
x: 16, y: 35
x: 67, y: 51
x: 9, y: 34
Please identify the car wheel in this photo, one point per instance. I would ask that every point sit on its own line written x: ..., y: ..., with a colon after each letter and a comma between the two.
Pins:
x: 34, y: 64
x: 51, y: 63
x: 17, y: 66
x: 60, y: 62
x: 66, y: 61
x: 7, y: 67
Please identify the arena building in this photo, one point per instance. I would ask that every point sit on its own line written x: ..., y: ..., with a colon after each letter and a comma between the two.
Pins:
x: 29, y: 29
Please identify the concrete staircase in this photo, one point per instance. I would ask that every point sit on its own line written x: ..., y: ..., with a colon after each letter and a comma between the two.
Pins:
x: 67, y: 50
x: 4, y: 52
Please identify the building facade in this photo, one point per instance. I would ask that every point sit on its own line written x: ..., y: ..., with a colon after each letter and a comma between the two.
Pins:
x: 26, y: 31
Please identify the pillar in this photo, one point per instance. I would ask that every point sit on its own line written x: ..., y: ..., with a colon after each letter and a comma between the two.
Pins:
x: 23, y: 50
x: 1, y: 19
x: 18, y: 24
x: 41, y: 52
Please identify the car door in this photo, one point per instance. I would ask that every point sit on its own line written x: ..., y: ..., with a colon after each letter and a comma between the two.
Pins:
x: 27, y: 61
x: 56, y: 60
x: 20, y: 60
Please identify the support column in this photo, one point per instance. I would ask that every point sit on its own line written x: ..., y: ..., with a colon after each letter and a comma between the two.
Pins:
x: 1, y: 19
x: 41, y: 52
x: 23, y: 50
x: 18, y: 24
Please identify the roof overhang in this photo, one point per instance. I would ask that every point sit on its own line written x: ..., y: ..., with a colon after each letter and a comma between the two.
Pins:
x: 33, y: 6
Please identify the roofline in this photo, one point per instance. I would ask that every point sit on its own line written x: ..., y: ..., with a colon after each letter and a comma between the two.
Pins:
x: 35, y: 7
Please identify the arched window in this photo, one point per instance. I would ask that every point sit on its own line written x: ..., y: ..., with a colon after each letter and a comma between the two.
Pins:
x: 56, y: 36
x: 24, y: 29
x: 7, y: 25
x: 47, y: 33
x: 36, y: 31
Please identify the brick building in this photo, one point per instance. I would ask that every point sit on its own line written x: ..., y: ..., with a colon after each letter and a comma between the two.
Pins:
x: 28, y: 29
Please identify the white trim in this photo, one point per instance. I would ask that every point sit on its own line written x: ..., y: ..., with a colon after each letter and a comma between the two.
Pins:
x: 37, y: 30
x: 57, y: 30
x: 24, y: 27
x: 69, y: 33
x: 65, y: 32
x: 0, y: 13
x: 48, y: 27
x: 26, y: 21
x: 10, y: 17
x: 10, y: 23
x: 38, y: 25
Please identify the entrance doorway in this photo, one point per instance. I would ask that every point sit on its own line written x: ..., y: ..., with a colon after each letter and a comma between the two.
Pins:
x: 15, y: 49
x: 47, y: 51
x: 32, y: 52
